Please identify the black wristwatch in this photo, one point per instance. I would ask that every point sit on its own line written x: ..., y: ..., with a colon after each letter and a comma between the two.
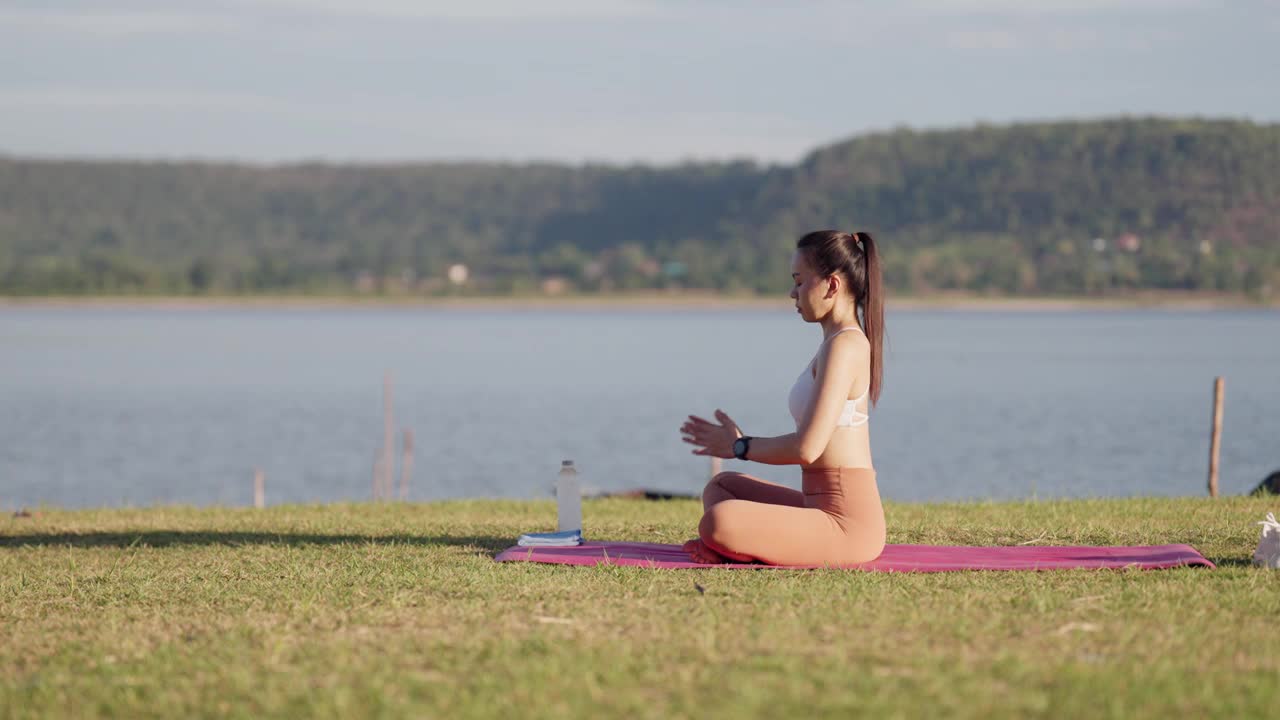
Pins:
x: 741, y: 447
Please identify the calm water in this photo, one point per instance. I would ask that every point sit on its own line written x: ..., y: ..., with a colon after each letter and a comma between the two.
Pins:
x: 138, y: 407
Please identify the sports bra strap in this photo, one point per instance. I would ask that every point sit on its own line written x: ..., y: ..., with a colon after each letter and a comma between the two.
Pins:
x: 851, y: 327
x: 813, y: 362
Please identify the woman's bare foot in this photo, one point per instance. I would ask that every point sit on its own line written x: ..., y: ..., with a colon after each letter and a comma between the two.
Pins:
x: 700, y: 553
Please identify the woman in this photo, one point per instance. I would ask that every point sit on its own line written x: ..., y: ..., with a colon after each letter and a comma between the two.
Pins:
x: 837, y: 518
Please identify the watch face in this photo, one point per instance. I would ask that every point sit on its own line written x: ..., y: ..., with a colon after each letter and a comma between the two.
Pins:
x: 739, y: 446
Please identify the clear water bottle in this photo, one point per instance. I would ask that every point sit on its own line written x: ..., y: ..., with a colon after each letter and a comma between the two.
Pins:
x: 568, y: 498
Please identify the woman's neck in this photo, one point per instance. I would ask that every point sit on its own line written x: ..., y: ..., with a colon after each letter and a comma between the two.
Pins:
x: 841, y: 316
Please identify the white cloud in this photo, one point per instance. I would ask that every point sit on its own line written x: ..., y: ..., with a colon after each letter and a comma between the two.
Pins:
x: 983, y: 39
x: 115, y: 23
x: 472, y: 10
x: 1059, y: 39
x: 132, y: 99
x: 1050, y: 37
x: 287, y: 129
x: 655, y: 137
x: 1038, y: 7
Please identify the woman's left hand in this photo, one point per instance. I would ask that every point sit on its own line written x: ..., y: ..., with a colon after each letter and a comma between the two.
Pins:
x: 714, y: 440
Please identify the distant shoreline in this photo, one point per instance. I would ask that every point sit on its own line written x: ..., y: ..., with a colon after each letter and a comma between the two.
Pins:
x: 685, y: 300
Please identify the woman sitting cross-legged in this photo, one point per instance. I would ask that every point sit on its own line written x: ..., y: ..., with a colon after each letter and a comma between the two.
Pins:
x: 836, y: 518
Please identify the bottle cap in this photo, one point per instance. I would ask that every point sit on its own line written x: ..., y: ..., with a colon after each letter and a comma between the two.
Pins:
x: 565, y: 463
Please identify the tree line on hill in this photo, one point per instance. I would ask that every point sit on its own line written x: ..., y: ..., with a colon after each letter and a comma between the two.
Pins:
x: 1062, y: 208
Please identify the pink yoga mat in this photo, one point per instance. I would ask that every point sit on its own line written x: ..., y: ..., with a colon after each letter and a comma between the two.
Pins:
x: 895, y: 558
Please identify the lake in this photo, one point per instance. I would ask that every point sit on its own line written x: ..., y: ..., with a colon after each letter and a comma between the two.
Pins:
x: 119, y: 406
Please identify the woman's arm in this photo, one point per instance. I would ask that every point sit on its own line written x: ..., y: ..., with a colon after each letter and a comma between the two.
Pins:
x: 779, y: 450
x: 835, y: 369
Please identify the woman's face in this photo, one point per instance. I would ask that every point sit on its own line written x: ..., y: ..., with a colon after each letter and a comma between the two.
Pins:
x: 808, y: 289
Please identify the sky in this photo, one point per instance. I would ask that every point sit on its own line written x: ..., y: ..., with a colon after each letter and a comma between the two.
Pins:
x: 609, y: 81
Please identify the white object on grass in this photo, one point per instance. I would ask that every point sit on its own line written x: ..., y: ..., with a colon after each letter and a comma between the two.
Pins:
x: 1268, y: 552
x: 568, y: 498
x: 555, y: 539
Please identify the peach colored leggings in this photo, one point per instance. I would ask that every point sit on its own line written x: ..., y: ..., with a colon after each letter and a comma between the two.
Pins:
x: 836, y: 520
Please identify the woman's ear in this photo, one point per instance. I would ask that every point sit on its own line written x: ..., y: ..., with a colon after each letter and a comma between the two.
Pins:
x: 833, y: 287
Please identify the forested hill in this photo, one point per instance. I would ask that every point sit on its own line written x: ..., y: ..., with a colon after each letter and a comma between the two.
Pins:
x: 1061, y: 208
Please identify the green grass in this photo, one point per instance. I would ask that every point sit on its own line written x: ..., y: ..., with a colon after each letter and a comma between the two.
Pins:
x: 391, y: 610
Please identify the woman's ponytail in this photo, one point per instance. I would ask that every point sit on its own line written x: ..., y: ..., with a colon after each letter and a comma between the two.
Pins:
x: 873, y: 311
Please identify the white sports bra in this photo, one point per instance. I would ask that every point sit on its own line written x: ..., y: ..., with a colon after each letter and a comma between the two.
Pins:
x: 802, y: 391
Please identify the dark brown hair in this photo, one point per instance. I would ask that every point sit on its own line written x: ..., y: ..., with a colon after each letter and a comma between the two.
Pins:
x: 854, y: 257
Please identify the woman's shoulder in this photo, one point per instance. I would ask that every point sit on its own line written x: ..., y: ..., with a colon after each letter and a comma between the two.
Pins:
x: 847, y: 346
x: 850, y: 341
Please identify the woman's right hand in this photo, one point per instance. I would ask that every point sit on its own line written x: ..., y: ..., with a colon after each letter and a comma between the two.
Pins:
x: 713, y: 439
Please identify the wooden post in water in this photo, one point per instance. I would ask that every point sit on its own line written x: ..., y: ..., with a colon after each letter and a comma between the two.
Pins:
x: 388, y: 438
x: 1215, y: 440
x: 259, y: 489
x: 406, y: 464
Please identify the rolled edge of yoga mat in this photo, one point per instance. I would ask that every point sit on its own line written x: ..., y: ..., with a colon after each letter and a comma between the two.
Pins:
x: 895, y: 558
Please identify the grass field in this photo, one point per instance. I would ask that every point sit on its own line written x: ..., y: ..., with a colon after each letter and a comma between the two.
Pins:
x: 389, y: 610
